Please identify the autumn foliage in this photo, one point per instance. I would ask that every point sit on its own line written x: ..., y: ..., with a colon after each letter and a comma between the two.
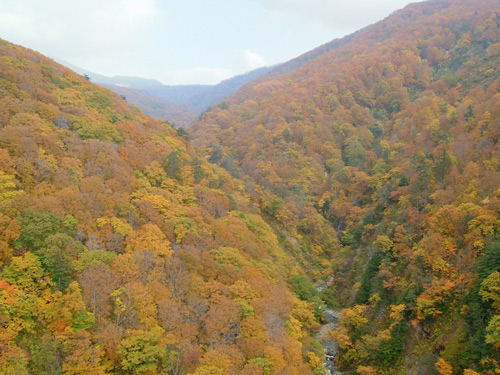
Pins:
x: 376, y: 160
x: 122, y: 251
x: 370, y: 165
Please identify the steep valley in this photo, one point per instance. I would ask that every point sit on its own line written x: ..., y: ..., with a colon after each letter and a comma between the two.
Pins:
x: 347, y: 200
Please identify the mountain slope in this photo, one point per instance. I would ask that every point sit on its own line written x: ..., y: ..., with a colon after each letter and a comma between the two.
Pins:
x: 388, y: 142
x: 156, y: 107
x: 122, y: 251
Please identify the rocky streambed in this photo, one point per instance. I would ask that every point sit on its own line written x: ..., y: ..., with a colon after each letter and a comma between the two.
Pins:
x: 325, y: 339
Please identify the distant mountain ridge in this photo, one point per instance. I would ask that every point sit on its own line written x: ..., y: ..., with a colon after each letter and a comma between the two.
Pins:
x: 180, y: 104
x: 203, y: 96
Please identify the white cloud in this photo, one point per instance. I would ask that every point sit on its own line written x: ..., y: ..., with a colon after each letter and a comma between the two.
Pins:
x: 248, y: 61
x: 245, y: 62
x: 90, y: 33
x: 202, y: 76
x: 336, y: 14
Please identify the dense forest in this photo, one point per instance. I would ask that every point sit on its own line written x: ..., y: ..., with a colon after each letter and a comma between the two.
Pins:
x: 376, y: 161
x: 122, y: 251
x: 364, y: 175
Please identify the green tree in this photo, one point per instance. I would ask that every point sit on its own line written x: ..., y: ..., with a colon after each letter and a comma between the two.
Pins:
x: 229, y: 164
x: 304, y: 288
x: 354, y: 153
x: 37, y: 226
x: 56, y: 260
x: 287, y: 136
x: 490, y: 261
x: 181, y: 132
x: 198, y: 170
x: 142, y: 352
x: 215, y: 154
x: 46, y: 357
x: 173, y: 166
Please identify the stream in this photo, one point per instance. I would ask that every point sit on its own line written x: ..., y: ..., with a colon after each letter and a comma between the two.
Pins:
x: 324, y: 338
x: 331, y: 348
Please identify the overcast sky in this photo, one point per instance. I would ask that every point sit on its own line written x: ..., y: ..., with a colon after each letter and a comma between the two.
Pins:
x: 183, y: 41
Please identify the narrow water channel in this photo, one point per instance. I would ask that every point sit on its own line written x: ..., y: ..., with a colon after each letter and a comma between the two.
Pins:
x: 325, y: 339
x: 323, y: 336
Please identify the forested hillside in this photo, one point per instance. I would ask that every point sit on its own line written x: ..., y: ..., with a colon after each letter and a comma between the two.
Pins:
x: 377, y: 163
x: 175, y: 114
x: 370, y: 166
x: 122, y: 251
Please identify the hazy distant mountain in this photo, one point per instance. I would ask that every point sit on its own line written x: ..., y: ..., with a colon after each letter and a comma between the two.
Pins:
x: 125, y: 81
x: 180, y: 104
x: 156, y: 107
x: 203, y: 96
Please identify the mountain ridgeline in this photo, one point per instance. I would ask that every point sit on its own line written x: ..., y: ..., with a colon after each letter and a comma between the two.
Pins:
x: 376, y: 161
x: 178, y: 104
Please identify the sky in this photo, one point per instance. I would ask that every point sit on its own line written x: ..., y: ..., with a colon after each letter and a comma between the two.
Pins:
x: 183, y: 41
